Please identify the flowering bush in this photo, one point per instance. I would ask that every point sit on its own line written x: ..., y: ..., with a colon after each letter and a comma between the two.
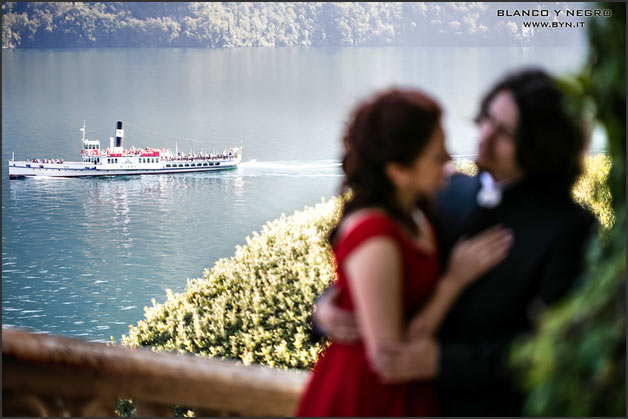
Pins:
x: 592, y: 191
x: 466, y: 167
x: 254, y: 306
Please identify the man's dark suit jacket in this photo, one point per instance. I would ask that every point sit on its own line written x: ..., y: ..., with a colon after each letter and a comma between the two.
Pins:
x: 546, y: 258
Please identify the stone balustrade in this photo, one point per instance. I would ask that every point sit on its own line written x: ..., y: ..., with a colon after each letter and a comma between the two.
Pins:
x: 58, y: 376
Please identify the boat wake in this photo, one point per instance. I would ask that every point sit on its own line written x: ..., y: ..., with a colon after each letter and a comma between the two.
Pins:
x: 293, y: 168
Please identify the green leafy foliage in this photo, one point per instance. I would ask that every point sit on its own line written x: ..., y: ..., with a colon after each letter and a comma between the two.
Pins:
x: 575, y: 364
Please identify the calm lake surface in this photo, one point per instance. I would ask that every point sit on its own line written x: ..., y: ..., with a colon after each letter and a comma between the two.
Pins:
x: 83, y: 257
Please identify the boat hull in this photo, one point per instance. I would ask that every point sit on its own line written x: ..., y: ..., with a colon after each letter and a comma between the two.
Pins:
x: 19, y: 170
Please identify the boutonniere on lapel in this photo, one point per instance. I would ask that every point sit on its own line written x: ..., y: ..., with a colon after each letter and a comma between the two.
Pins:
x: 490, y: 194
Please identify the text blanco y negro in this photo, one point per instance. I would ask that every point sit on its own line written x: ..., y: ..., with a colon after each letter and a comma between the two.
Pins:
x: 546, y: 13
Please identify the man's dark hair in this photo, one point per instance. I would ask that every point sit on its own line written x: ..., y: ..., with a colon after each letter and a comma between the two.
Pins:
x: 550, y: 142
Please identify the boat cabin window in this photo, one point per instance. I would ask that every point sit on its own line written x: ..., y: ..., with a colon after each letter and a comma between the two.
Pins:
x: 187, y: 165
x: 167, y: 165
x: 204, y: 164
x: 217, y: 163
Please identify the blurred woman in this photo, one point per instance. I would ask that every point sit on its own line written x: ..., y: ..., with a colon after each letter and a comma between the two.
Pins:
x: 387, y: 258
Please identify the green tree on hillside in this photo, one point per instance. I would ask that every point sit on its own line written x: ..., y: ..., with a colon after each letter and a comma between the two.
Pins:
x: 235, y: 24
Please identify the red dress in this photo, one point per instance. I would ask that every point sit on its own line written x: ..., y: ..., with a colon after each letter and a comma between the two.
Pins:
x: 343, y: 383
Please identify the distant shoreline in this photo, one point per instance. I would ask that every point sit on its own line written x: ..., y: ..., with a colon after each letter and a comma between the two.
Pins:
x: 291, y: 24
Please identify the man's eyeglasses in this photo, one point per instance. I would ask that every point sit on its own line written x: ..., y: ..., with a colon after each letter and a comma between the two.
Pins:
x: 499, y: 127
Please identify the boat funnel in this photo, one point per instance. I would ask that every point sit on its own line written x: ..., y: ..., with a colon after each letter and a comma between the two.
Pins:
x: 119, y: 134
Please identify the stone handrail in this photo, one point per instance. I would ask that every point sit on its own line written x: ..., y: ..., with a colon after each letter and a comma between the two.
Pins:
x: 59, y: 376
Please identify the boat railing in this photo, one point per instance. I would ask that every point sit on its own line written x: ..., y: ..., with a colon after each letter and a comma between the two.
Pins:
x: 46, y: 375
x: 202, y: 158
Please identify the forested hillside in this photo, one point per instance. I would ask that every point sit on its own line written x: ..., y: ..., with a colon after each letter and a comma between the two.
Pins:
x: 231, y: 24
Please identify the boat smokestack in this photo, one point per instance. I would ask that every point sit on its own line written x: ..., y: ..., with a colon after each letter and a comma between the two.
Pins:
x: 119, y: 134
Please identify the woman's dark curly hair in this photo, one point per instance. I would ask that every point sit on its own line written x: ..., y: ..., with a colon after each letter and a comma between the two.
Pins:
x: 392, y: 127
x: 550, y: 142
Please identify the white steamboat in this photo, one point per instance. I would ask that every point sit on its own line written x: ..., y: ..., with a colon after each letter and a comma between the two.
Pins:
x: 119, y: 161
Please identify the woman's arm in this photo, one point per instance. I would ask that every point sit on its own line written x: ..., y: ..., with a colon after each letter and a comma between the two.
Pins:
x: 468, y: 261
x: 418, y: 358
x: 374, y: 273
x: 465, y: 260
x: 328, y: 319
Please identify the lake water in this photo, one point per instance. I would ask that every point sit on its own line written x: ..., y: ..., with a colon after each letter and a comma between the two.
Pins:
x: 82, y: 257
